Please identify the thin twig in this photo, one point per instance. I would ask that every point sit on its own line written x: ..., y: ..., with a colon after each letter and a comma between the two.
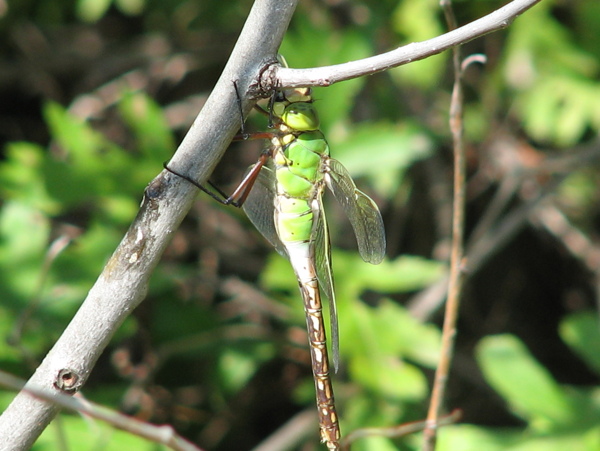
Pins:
x: 159, y: 434
x: 581, y: 246
x: 54, y: 250
x: 289, y: 435
x: 397, y: 431
x: 327, y: 75
x: 456, y: 256
x: 481, y: 250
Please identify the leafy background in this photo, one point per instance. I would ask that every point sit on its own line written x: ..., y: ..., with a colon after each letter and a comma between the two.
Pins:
x: 97, y: 93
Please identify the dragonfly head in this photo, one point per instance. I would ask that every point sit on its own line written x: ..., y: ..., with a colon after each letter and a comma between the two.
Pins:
x: 292, y: 95
x: 301, y: 116
x: 294, y: 107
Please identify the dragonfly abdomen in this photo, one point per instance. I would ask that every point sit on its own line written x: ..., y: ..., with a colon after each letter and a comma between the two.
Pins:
x: 294, y: 220
x: 309, y: 287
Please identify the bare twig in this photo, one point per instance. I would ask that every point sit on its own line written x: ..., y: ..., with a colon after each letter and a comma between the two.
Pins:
x: 325, y: 76
x: 289, y: 435
x: 397, y: 431
x: 159, y: 434
x: 456, y: 256
x: 55, y: 249
x: 483, y: 246
x: 124, y: 281
x: 551, y: 218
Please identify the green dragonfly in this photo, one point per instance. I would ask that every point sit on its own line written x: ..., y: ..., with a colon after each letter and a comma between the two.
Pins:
x: 284, y: 202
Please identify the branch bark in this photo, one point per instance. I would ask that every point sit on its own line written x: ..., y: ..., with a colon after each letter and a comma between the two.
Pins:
x: 167, y: 199
x: 327, y: 75
x: 158, y: 434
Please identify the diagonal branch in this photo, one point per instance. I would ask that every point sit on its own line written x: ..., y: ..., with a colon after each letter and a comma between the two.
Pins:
x: 124, y: 281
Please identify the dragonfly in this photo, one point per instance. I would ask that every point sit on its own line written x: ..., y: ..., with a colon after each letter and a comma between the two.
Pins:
x: 282, y: 195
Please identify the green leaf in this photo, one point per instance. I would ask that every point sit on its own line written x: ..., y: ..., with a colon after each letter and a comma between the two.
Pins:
x: 238, y: 366
x: 557, y: 79
x: 21, y: 177
x: 149, y: 124
x: 581, y: 331
x: 466, y: 437
x: 92, y: 10
x: 131, y: 7
x: 334, y: 102
x: 376, y: 340
x: 419, y: 21
x: 24, y: 234
x: 391, y: 149
x: 92, y: 165
x: 560, y: 107
x: 405, y: 273
x: 523, y: 382
x: 83, y: 433
x: 374, y: 444
x: 388, y: 377
x: 401, y: 334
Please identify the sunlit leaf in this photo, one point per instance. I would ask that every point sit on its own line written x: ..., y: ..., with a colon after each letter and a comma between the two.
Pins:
x: 522, y: 381
x: 581, y: 331
x: 92, y: 10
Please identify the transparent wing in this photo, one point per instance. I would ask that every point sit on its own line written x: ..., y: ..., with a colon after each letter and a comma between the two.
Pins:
x: 361, y: 211
x: 322, y: 252
x: 259, y: 207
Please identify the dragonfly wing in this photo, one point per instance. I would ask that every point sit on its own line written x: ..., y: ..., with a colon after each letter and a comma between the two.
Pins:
x: 361, y: 210
x: 260, y: 209
x: 322, y: 252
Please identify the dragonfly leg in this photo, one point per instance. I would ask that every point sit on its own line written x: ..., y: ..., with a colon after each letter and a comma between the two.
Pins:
x: 238, y: 99
x: 271, y: 104
x: 269, y: 113
x: 223, y: 199
x: 253, y: 136
x: 240, y: 194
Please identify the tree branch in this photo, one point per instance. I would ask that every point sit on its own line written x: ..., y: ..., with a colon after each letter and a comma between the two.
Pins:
x: 158, y: 434
x: 327, y: 75
x: 124, y: 281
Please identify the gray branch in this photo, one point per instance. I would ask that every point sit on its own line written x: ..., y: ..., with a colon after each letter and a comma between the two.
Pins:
x: 327, y: 75
x: 124, y: 281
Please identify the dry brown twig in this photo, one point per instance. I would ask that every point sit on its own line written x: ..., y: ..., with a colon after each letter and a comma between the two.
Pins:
x: 457, y: 249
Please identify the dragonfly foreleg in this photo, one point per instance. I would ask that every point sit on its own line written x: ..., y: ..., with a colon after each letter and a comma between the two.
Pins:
x: 238, y: 99
x: 240, y: 194
x: 221, y: 197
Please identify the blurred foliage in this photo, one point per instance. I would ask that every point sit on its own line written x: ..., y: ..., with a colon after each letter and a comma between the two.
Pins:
x: 97, y: 93
x: 557, y: 416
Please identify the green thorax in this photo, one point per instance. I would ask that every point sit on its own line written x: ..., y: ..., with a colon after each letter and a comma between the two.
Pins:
x: 298, y: 156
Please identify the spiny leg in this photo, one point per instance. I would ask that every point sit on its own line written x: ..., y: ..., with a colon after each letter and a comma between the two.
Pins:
x: 238, y: 197
x: 240, y: 194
